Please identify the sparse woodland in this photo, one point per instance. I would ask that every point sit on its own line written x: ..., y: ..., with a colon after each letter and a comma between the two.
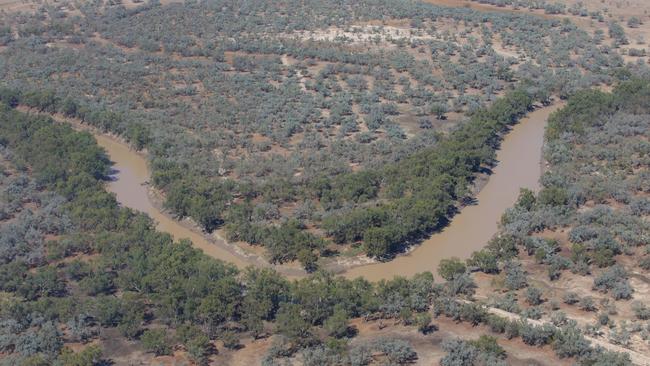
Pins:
x: 293, y: 129
x: 317, y: 129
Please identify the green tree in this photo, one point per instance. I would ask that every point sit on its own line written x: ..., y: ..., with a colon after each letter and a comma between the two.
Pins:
x: 337, y: 324
x: 155, y: 340
x: 489, y: 344
x: 89, y: 356
x: 291, y: 324
x: 198, y: 347
x: 451, y: 268
x: 526, y: 199
x: 423, y: 322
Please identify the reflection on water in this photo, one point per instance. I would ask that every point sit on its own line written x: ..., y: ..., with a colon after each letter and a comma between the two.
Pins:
x: 519, y: 166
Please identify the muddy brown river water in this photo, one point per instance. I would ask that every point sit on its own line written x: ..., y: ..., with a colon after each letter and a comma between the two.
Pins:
x: 519, y: 166
x: 130, y: 188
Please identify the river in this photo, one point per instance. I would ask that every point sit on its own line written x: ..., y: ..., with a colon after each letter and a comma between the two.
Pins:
x: 518, y: 166
x: 130, y: 187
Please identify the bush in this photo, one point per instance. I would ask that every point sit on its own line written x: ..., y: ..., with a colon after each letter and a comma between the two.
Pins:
x: 155, y: 340
x: 496, y: 323
x: 615, y: 280
x: 533, y: 312
x: 485, y: 261
x: 337, y: 324
x: 396, y: 350
x: 513, y: 329
x: 641, y: 311
x: 570, y: 298
x: 537, y: 335
x: 569, y: 342
x: 89, y: 356
x: 515, y: 276
x: 587, y: 303
x: 489, y: 344
x: 458, y: 353
x: 198, y: 348
x: 533, y: 296
x: 451, y: 268
x: 423, y: 322
x: 230, y: 339
x: 559, y: 318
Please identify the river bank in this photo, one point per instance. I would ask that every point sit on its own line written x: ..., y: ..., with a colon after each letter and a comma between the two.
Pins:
x: 519, y: 166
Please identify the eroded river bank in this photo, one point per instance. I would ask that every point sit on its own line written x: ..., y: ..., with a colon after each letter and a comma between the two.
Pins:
x: 518, y: 167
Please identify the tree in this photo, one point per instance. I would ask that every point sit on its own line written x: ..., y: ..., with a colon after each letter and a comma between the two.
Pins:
x: 537, y: 335
x: 459, y: 353
x: 155, y: 340
x: 533, y: 296
x: 396, y: 350
x: 108, y: 311
x: 569, y: 342
x: 439, y: 110
x: 423, y: 322
x: 337, y: 324
x: 485, y: 261
x: 308, y: 259
x: 526, y: 199
x: 230, y: 339
x: 451, y: 268
x: 489, y: 344
x: 96, y: 283
x: 291, y: 324
x: 89, y: 356
x: 198, y: 347
x: 515, y: 276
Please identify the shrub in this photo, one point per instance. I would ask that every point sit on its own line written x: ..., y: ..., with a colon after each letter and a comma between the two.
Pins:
x: 458, y: 353
x: 641, y: 311
x: 515, y: 277
x: 198, y: 347
x: 488, y: 344
x: 569, y: 342
x: 496, y: 323
x: 537, y: 335
x: 423, y: 322
x: 513, y: 329
x: 533, y: 296
x: 451, y: 268
x: 230, y: 339
x: 337, y: 324
x: 559, y: 318
x: 485, y: 261
x: 533, y: 312
x: 508, y: 302
x: 587, y: 304
x: 615, y: 280
x: 155, y: 340
x: 570, y: 298
x: 396, y: 350
x: 89, y: 356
